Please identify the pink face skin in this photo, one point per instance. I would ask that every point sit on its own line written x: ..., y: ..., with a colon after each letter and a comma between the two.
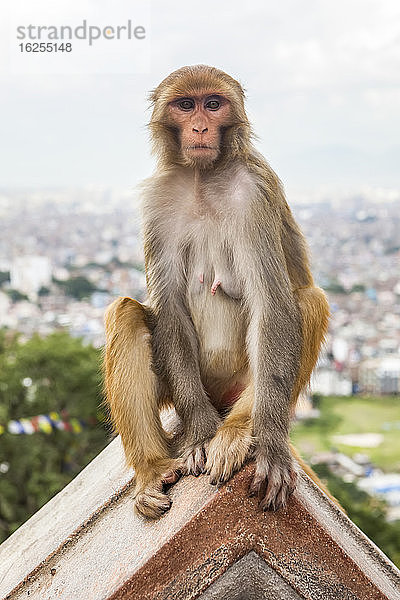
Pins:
x: 199, y: 120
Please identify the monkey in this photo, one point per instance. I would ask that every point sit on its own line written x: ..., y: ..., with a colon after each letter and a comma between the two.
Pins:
x: 233, y: 323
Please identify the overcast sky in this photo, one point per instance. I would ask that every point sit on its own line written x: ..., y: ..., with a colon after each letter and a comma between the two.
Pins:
x: 322, y: 80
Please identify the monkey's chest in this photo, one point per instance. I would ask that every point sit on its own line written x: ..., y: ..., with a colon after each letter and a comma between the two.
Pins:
x: 214, y: 299
x: 212, y: 274
x: 216, y: 282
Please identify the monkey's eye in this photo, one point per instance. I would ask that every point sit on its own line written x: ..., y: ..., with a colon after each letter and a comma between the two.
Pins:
x: 213, y: 104
x: 186, y: 104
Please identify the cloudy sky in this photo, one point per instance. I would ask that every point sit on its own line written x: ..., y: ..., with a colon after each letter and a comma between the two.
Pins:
x: 322, y: 80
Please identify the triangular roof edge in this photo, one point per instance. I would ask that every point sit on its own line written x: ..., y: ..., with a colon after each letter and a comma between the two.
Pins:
x: 88, y: 531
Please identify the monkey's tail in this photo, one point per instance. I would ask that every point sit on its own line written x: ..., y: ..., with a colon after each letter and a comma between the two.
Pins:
x: 311, y: 473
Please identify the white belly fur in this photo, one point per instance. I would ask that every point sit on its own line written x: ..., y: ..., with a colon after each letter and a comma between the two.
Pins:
x: 221, y: 329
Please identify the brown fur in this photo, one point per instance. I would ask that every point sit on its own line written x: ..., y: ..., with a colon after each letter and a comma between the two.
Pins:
x: 234, y: 322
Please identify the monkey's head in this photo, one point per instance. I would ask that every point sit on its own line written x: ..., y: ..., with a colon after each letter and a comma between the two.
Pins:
x: 199, y: 118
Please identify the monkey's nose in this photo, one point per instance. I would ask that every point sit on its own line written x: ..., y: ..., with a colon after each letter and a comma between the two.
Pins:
x: 200, y: 131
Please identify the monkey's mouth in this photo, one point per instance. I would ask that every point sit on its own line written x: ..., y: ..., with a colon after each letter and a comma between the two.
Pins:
x: 199, y: 147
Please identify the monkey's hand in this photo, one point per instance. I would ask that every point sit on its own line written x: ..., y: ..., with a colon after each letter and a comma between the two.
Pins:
x: 227, y: 452
x: 275, y: 477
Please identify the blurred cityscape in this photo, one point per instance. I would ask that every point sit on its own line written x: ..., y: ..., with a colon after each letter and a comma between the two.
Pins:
x: 65, y: 254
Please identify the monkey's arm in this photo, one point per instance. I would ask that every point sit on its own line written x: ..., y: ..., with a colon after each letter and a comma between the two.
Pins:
x: 274, y: 347
x: 175, y: 349
x: 295, y: 249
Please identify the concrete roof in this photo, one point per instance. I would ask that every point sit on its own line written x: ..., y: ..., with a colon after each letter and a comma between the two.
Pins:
x: 86, y: 543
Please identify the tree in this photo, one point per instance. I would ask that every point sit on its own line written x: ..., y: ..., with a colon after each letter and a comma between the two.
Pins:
x: 56, y: 373
x: 358, y: 287
x: 77, y: 287
x: 16, y: 296
x: 4, y: 277
x: 44, y: 291
x: 335, y: 288
x: 367, y: 512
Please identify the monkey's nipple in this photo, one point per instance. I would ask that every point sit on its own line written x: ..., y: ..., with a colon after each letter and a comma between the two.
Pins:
x: 201, y: 277
x: 215, y: 285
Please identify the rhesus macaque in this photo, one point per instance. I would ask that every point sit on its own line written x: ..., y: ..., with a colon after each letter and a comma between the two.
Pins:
x: 233, y: 324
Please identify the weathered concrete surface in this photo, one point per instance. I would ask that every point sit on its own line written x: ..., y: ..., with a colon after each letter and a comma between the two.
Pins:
x: 250, y: 578
x: 293, y: 542
x: 103, y: 478
x: 86, y: 543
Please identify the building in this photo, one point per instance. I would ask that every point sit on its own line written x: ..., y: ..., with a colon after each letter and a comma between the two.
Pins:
x: 380, y: 375
x: 29, y: 273
x: 329, y: 382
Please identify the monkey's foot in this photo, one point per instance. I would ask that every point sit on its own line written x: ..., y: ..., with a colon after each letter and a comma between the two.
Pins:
x: 172, y: 476
x: 227, y: 452
x: 193, y: 460
x: 151, y: 502
x: 274, y: 480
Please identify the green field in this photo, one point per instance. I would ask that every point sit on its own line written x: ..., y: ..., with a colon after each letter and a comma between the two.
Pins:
x: 345, y: 415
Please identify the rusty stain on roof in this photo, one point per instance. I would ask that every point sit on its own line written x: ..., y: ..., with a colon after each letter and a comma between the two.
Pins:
x: 87, y: 543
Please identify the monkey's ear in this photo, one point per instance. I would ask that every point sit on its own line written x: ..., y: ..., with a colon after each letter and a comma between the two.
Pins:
x: 152, y: 96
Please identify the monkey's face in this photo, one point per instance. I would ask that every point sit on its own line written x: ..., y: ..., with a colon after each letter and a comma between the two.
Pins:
x: 200, y: 121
